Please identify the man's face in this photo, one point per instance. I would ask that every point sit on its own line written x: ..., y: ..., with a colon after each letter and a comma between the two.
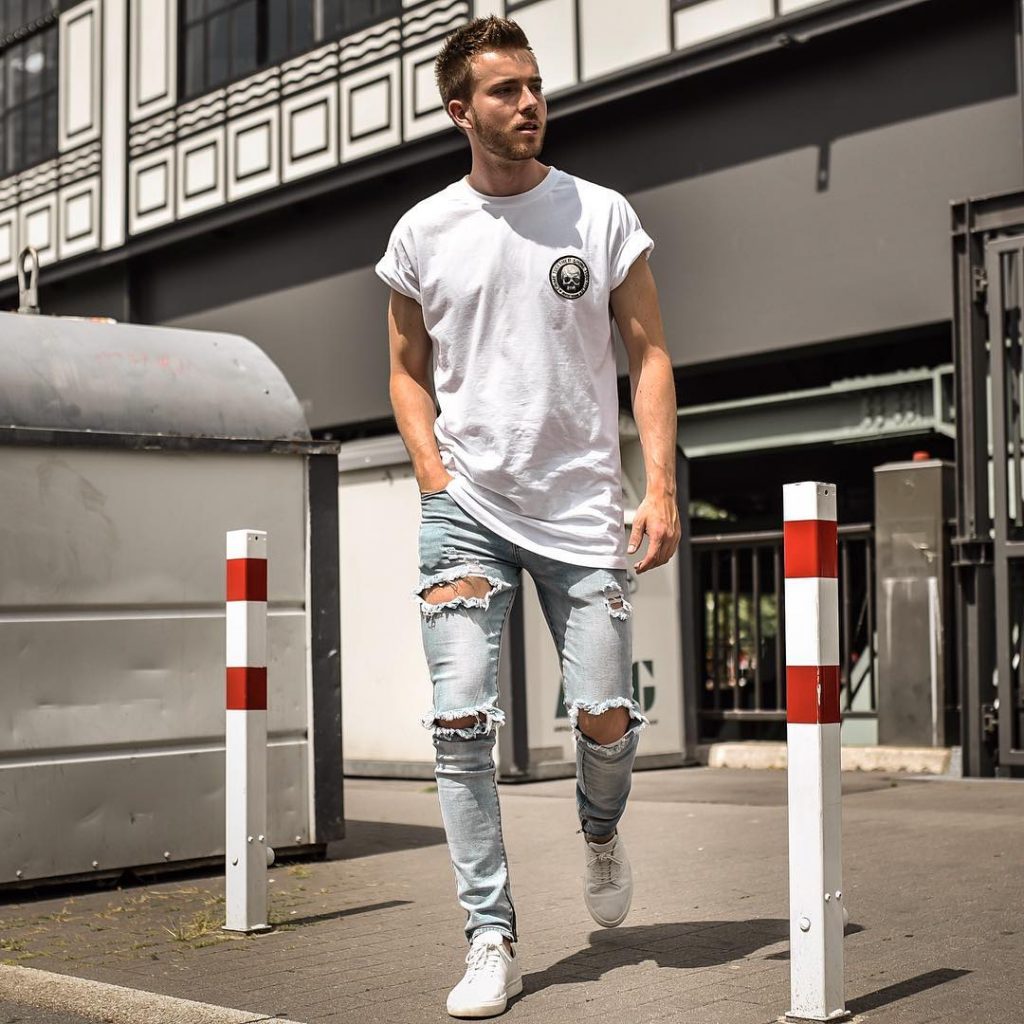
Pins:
x: 508, y: 107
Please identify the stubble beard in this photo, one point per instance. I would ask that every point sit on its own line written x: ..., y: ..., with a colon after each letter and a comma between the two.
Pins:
x: 508, y: 144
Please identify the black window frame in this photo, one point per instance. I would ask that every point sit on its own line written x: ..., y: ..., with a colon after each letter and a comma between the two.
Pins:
x: 266, y: 54
x: 32, y: 29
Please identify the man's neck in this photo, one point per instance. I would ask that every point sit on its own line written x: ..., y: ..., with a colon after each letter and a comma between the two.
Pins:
x: 508, y: 178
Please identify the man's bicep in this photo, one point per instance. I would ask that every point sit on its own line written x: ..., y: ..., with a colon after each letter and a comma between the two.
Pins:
x: 408, y: 338
x: 636, y: 310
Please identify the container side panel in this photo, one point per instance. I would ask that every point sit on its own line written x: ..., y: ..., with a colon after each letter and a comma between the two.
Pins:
x: 86, y: 528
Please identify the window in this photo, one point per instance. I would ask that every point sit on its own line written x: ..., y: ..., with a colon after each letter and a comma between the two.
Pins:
x: 342, y: 17
x: 227, y: 39
x: 28, y: 83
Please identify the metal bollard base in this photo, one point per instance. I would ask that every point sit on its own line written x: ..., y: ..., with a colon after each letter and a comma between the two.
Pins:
x: 256, y: 929
x: 799, y: 1019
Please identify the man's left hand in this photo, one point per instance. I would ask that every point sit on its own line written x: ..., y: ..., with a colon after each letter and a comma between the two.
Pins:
x: 658, y: 517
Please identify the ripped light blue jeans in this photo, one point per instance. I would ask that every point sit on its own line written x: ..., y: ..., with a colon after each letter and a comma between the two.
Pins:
x: 589, y: 618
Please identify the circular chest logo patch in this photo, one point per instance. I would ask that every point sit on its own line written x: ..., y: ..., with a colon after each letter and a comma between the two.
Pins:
x: 570, y: 276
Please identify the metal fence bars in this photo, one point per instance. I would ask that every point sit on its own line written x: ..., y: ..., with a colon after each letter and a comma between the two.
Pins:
x: 740, y: 616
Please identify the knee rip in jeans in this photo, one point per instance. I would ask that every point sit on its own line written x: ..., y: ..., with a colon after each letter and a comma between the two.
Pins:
x: 612, y: 740
x: 465, y: 586
x: 616, y: 603
x: 464, y: 723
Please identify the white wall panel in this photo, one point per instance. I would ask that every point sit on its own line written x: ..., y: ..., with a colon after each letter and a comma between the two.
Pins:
x: 37, y: 227
x: 8, y: 243
x: 253, y: 153
x: 370, y: 101
x: 79, y: 218
x: 79, y: 102
x: 154, y: 53
x: 422, y: 110
x: 482, y: 8
x: 551, y: 28
x: 151, y: 191
x: 787, y: 6
x: 614, y: 35
x: 309, y: 128
x: 114, y: 116
x: 201, y: 172
x: 694, y: 25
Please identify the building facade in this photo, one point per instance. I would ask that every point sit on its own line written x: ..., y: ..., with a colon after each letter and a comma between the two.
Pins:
x: 238, y: 165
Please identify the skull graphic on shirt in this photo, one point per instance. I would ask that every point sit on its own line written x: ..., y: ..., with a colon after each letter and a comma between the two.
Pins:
x: 570, y: 277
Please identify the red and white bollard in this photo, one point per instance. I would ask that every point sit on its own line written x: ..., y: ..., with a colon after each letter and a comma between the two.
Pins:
x: 812, y: 731
x: 247, y: 854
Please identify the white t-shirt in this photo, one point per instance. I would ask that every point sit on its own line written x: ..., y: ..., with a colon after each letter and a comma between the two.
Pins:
x: 515, y: 293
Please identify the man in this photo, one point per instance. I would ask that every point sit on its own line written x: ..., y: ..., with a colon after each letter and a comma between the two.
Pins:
x: 502, y: 289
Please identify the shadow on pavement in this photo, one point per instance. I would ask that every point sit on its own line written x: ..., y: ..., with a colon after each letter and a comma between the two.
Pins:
x: 348, y: 912
x: 683, y: 946
x: 902, y: 989
x: 368, y: 838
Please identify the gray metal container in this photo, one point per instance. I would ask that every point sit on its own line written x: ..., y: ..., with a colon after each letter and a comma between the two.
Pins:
x: 913, y: 504
x: 126, y: 453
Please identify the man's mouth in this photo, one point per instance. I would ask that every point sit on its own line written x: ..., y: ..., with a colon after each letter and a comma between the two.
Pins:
x: 530, y: 127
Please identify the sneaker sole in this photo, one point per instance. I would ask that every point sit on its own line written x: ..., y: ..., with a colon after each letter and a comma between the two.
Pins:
x: 491, y: 1009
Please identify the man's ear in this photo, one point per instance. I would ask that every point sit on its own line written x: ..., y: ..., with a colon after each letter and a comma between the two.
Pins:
x: 461, y: 114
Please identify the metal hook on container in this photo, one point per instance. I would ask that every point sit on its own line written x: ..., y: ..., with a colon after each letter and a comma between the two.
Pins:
x: 28, y: 294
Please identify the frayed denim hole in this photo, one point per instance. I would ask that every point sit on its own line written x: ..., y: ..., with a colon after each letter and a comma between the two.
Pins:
x: 430, y: 610
x: 493, y: 717
x: 616, y: 603
x: 637, y: 721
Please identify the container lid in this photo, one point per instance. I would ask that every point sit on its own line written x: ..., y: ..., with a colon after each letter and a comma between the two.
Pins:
x: 70, y: 377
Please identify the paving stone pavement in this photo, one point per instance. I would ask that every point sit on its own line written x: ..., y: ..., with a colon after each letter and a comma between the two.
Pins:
x: 933, y: 874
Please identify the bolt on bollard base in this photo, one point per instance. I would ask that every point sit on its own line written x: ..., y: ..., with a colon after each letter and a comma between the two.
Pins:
x: 813, y: 739
x: 247, y: 855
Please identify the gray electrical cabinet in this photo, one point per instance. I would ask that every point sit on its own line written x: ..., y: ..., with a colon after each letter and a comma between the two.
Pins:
x: 126, y: 454
x: 914, y: 501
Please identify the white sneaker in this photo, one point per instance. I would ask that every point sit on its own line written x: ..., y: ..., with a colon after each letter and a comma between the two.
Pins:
x: 608, y: 886
x: 491, y: 979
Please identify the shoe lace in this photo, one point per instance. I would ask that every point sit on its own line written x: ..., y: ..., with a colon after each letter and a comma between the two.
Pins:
x: 604, y: 864
x: 483, y: 958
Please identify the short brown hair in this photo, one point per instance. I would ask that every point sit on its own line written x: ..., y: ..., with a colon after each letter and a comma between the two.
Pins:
x: 453, y: 68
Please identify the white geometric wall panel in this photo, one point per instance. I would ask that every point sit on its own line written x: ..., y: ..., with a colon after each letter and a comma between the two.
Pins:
x: 482, y: 8
x: 369, y: 110
x: 309, y: 125
x: 788, y: 6
x: 201, y: 172
x: 8, y: 243
x: 551, y: 28
x: 371, y: 45
x: 614, y: 35
x: 698, y: 24
x: 422, y: 110
x: 78, y: 208
x: 114, y: 115
x: 252, y: 153
x: 153, y: 57
x: 151, y: 181
x: 37, y: 226
x: 79, y: 86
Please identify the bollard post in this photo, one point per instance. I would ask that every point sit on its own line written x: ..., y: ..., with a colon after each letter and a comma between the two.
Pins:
x: 812, y: 732
x: 247, y: 854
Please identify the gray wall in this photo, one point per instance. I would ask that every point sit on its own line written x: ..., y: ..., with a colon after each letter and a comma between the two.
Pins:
x: 795, y: 199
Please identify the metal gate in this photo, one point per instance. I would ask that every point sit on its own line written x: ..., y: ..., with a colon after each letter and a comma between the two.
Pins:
x: 1004, y: 261
x: 738, y: 581
x: 988, y: 244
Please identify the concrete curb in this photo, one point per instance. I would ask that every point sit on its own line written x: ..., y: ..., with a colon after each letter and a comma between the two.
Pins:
x: 114, y: 1004
x: 759, y: 754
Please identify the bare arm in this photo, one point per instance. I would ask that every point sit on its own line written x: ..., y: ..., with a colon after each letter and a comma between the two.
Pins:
x: 410, y: 390
x: 636, y: 311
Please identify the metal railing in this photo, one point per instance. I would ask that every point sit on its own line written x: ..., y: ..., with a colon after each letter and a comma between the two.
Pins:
x: 739, y: 582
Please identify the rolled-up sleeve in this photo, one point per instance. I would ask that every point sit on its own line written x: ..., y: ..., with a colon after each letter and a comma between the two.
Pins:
x: 397, y: 267
x: 628, y: 240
